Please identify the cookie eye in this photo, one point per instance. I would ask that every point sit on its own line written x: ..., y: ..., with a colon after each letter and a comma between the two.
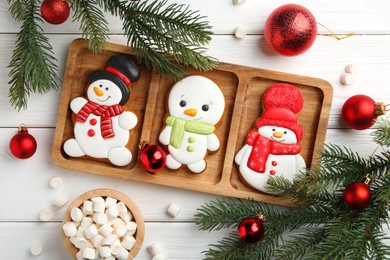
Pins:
x: 183, y: 103
x: 273, y: 129
x: 205, y: 107
x: 100, y: 86
x: 107, y: 88
x: 285, y: 132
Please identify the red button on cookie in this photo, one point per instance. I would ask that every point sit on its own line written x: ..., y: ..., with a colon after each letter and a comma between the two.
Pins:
x: 91, y: 132
x: 274, y: 163
x: 93, y: 121
x: 272, y: 172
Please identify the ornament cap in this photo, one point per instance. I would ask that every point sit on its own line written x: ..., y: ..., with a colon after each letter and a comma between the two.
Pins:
x: 367, y: 179
x: 22, y: 128
x: 380, y: 108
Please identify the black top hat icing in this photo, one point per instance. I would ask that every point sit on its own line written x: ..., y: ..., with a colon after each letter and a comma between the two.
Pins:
x: 122, y: 71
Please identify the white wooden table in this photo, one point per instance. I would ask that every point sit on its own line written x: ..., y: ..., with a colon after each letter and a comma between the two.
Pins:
x: 24, y: 183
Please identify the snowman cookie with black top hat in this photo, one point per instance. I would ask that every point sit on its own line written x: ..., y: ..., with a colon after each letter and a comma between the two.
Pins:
x: 273, y: 149
x: 102, y: 127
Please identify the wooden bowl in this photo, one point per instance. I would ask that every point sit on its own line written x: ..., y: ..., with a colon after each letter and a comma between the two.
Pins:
x: 132, y: 207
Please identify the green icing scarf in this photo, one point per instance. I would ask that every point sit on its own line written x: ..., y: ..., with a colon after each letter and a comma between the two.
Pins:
x: 179, y: 126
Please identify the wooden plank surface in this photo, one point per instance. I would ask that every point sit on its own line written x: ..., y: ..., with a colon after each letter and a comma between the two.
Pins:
x: 24, y: 184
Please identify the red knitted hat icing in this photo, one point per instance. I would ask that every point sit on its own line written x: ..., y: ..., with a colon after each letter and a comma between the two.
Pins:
x: 282, y: 102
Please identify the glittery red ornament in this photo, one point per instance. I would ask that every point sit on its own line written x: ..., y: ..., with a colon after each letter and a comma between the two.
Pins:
x: 290, y: 29
x: 152, y: 157
x: 357, y: 195
x: 251, y: 230
x: 360, y: 111
x: 55, y: 11
x: 23, y: 145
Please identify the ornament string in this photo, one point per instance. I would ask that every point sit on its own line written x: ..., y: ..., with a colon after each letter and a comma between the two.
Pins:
x: 333, y: 35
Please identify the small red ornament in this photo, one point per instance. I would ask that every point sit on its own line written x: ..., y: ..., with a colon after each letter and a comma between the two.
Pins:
x: 23, y: 145
x: 360, y: 111
x: 251, y: 230
x: 290, y: 29
x: 55, y: 11
x: 357, y: 195
x: 152, y: 157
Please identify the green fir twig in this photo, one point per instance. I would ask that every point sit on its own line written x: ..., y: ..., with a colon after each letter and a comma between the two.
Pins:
x: 33, y: 65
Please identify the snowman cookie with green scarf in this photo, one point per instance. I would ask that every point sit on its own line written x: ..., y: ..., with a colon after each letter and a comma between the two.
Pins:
x: 195, y: 106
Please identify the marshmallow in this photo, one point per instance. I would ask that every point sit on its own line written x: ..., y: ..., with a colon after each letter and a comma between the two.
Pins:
x: 36, y: 250
x: 238, y: 2
x: 109, y: 240
x: 240, y: 32
x: 110, y: 202
x: 126, y: 217
x: 86, y: 222
x: 97, y: 240
x: 123, y: 254
x: 131, y: 227
x: 46, y: 215
x: 89, y: 253
x: 159, y: 257
x: 110, y: 258
x: 128, y: 242
x: 69, y: 229
x: 116, y: 248
x: 76, y: 215
x: 79, y: 242
x: 352, y: 68
x: 347, y: 78
x: 99, y: 206
x: 104, y: 251
x: 120, y: 231
x: 60, y: 201
x: 100, y: 218
x: 112, y: 213
x: 154, y: 249
x: 80, y: 231
x: 121, y: 207
x: 99, y: 199
x: 105, y: 230
x: 55, y: 182
x: 88, y: 207
x: 91, y: 231
x: 117, y: 222
x: 79, y: 255
x: 173, y: 210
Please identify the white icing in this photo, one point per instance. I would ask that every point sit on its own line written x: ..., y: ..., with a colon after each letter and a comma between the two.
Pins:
x: 96, y: 146
x: 197, y: 92
x: 287, y: 166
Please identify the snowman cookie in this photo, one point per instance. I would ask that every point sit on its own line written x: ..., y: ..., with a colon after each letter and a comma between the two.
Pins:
x: 273, y: 148
x: 195, y: 106
x: 102, y: 127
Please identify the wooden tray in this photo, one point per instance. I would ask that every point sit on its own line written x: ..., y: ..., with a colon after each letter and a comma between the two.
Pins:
x: 242, y: 87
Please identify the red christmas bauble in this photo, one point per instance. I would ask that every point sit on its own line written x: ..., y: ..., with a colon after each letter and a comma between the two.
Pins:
x: 357, y: 195
x: 23, y: 145
x: 55, y: 11
x: 360, y: 111
x: 152, y: 157
x: 251, y: 230
x: 290, y: 29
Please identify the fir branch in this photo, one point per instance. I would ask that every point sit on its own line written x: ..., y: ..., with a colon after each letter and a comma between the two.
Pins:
x: 382, y: 134
x: 33, y: 67
x: 300, y: 245
x: 229, y: 248
x: 165, y: 37
x: 92, y: 23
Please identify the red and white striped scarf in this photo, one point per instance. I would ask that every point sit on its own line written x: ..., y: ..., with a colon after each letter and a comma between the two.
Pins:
x: 105, y: 113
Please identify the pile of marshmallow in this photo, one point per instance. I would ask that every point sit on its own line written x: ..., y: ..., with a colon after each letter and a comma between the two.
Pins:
x: 101, y: 228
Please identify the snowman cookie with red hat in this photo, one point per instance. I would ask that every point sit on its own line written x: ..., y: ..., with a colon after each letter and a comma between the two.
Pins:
x: 273, y: 149
x: 102, y: 127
